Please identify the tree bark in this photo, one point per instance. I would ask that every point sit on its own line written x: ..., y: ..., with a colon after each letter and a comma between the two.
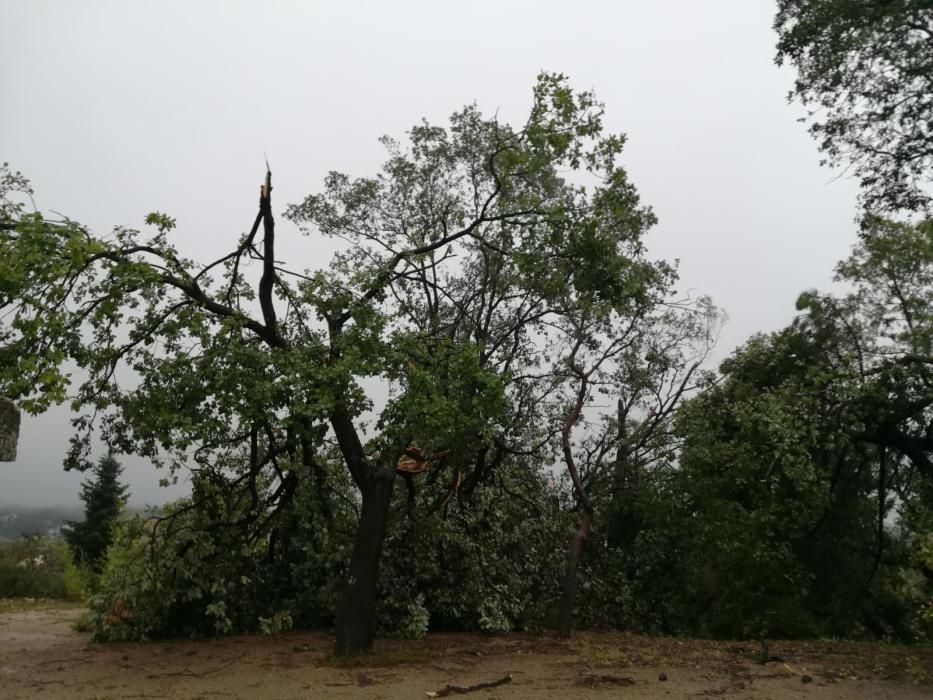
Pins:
x: 357, y: 609
x: 565, y: 620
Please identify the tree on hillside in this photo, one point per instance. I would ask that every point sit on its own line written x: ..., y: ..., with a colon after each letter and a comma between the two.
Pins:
x: 459, y: 256
x: 865, y: 72
x: 104, y: 498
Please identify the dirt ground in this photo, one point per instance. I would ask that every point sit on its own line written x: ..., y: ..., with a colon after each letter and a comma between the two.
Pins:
x: 41, y: 656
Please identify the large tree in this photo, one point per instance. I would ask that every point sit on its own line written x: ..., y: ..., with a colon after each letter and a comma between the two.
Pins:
x: 458, y: 256
x: 865, y: 72
x: 776, y: 503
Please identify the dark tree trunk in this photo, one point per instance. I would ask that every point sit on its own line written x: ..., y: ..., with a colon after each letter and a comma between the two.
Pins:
x: 565, y: 621
x: 357, y: 609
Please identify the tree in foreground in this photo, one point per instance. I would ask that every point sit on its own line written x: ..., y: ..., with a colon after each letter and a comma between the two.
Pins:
x: 470, y: 246
x: 865, y: 72
x: 104, y: 498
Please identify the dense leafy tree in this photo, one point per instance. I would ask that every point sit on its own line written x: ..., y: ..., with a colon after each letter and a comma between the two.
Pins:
x: 880, y: 340
x: 104, y: 498
x: 804, y: 477
x: 778, y: 501
x: 865, y: 70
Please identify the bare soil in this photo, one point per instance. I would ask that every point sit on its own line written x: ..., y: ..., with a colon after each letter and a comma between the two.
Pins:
x: 42, y: 656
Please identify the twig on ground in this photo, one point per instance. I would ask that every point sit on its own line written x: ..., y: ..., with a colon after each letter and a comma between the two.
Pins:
x: 196, y: 674
x: 463, y: 689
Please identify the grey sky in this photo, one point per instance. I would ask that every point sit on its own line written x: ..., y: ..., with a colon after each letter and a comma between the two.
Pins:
x: 115, y: 109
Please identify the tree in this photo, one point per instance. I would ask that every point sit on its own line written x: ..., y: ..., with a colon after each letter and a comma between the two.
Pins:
x: 104, y: 498
x: 9, y: 430
x: 645, y: 352
x: 815, y: 438
x: 11, y: 183
x: 458, y: 255
x: 777, y: 500
x: 880, y: 337
x: 865, y: 71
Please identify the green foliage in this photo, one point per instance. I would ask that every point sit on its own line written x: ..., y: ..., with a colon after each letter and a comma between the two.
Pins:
x: 187, y: 576
x: 211, y: 565
x: 38, y: 567
x: 923, y: 557
x: 477, y: 563
x: 799, y: 492
x: 488, y: 558
x: 281, y: 621
x: 878, y: 340
x: 495, y: 280
x: 777, y: 502
x: 104, y: 498
x: 865, y: 71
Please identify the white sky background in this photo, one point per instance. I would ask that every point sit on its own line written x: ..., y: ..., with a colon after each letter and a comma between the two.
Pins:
x: 115, y: 109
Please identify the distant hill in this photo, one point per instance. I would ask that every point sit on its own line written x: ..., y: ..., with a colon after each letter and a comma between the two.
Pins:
x: 16, y: 521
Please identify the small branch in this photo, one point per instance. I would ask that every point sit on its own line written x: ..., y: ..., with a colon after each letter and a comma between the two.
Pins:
x: 464, y: 689
x: 196, y: 674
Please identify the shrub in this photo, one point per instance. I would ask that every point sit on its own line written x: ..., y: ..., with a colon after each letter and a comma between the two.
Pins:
x: 36, y: 566
x: 178, y: 577
x: 209, y: 566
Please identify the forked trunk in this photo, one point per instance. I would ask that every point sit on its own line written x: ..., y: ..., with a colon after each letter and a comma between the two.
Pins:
x: 565, y: 621
x: 356, y: 613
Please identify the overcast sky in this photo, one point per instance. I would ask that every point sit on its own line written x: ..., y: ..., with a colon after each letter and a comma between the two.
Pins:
x: 115, y: 109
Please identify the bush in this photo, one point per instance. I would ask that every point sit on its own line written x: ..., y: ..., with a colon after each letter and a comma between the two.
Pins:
x: 36, y: 566
x: 178, y: 577
x: 208, y: 566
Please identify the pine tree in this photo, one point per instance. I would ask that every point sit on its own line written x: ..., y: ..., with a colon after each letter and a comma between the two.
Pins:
x: 104, y: 497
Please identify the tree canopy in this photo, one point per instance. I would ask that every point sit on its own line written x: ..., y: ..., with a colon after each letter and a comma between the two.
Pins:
x: 865, y: 72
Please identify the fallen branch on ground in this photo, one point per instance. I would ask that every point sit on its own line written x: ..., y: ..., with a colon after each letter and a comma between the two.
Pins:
x: 195, y: 674
x: 463, y: 689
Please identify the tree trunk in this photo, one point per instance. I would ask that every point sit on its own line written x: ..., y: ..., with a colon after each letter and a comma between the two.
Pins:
x: 9, y: 430
x: 565, y: 621
x: 357, y: 609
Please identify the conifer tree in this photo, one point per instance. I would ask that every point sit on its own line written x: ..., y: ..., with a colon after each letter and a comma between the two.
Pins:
x: 104, y: 497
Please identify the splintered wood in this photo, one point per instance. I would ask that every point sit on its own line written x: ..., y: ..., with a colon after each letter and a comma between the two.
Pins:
x: 414, y: 461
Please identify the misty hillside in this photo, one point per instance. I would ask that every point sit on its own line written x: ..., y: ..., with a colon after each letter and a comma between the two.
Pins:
x: 20, y: 520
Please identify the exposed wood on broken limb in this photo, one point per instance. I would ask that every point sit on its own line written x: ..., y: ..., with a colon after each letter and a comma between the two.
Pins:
x: 464, y: 689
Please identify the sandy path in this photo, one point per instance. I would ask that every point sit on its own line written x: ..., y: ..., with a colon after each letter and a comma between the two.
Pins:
x: 41, y: 656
